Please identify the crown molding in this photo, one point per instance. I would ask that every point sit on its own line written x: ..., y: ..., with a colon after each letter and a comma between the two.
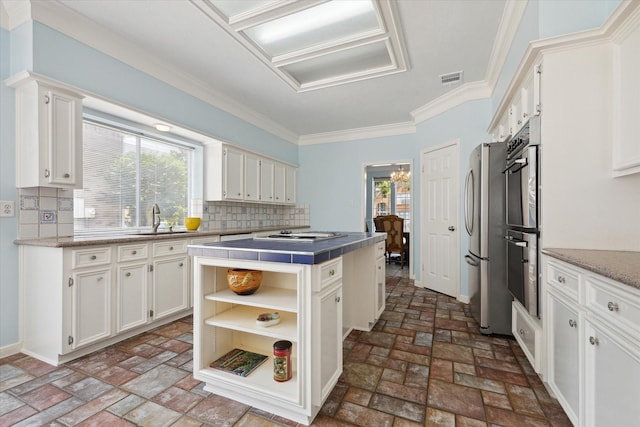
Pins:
x: 360, y: 133
x: 13, y: 13
x: 617, y: 23
x: 57, y: 16
x: 509, y: 23
x: 466, y: 92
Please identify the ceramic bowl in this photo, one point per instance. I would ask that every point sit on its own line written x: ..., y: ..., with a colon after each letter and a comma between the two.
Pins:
x: 192, y: 223
x: 244, y: 282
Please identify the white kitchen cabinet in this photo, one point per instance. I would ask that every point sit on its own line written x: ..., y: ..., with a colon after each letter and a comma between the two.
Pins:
x: 290, y: 187
x: 90, y: 306
x: 170, y: 274
x: 381, y: 287
x: 233, y: 174
x: 279, y: 183
x: 626, y: 106
x: 327, y: 340
x: 528, y: 332
x: 252, y: 177
x: 132, y: 291
x: 266, y: 180
x: 48, y: 135
x: 563, y: 352
x: 593, y: 346
x: 612, y: 375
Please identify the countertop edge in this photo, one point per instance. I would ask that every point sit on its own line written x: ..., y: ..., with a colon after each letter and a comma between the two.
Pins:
x: 130, y: 237
x: 621, y: 266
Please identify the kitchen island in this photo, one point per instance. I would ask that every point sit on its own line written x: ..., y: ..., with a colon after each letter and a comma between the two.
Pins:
x: 321, y: 289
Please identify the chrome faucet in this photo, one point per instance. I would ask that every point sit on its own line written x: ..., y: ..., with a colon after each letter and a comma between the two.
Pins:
x: 155, y: 214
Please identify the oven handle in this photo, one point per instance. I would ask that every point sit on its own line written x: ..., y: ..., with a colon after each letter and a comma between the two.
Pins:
x: 518, y: 162
x: 517, y: 242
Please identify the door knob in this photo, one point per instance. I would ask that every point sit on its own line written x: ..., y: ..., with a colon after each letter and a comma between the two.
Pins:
x: 452, y: 228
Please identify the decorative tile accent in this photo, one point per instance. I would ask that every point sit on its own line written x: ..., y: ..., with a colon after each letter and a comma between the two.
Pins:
x: 29, y: 203
x: 65, y: 204
x: 48, y: 217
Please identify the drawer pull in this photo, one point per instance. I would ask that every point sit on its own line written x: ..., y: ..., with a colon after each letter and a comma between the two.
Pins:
x: 593, y: 341
x: 337, y: 299
x: 93, y: 257
x: 573, y: 323
x: 128, y: 274
x: 170, y: 248
x: 612, y: 306
x: 134, y: 252
x: 180, y: 265
x: 561, y: 279
x: 332, y: 272
x: 521, y: 331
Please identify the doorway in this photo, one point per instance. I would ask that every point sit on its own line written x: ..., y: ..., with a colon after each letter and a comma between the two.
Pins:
x: 440, y: 212
x: 384, y: 196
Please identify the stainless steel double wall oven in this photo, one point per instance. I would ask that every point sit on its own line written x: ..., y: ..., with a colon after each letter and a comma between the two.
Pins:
x: 522, y: 215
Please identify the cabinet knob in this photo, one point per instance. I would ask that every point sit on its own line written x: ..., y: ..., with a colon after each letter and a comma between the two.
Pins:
x: 181, y: 264
x: 134, y: 252
x: 332, y: 272
x: 593, y: 341
x: 128, y: 274
x: 93, y: 257
x: 561, y: 279
x: 612, y: 306
x: 66, y: 175
x: 573, y: 323
x: 521, y: 331
x: 170, y: 248
x: 239, y: 194
x: 47, y: 99
x: 47, y: 174
x: 337, y: 299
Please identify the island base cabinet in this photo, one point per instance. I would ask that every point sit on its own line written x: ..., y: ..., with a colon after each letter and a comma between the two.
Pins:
x: 612, y: 377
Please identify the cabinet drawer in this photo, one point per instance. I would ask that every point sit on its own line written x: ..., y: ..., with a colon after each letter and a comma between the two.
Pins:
x: 91, y: 257
x: 527, y: 333
x: 133, y: 252
x: 171, y: 247
x: 380, y: 249
x: 329, y: 272
x: 563, y: 279
x: 613, y: 304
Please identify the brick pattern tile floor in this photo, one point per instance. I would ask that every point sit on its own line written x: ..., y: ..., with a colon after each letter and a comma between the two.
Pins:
x: 424, y: 364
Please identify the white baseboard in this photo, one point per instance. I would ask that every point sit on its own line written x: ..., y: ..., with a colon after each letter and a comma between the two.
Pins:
x: 464, y: 299
x: 10, y: 350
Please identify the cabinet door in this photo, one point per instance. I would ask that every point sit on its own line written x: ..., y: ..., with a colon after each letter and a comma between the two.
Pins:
x: 612, y: 375
x: 279, y: 194
x: 266, y: 180
x: 380, y: 286
x: 170, y: 286
x: 327, y: 348
x: 90, y: 307
x: 564, y: 359
x: 251, y: 177
x: 291, y: 175
x: 233, y: 174
x: 64, y: 139
x: 132, y: 289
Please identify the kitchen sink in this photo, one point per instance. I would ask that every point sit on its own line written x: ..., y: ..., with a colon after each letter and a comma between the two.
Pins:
x: 159, y: 233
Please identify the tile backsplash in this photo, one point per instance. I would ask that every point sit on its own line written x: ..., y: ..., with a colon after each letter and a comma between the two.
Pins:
x: 45, y: 212
x: 48, y: 212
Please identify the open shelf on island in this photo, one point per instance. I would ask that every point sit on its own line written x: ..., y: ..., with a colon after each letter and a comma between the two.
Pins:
x: 243, y: 318
x: 273, y: 298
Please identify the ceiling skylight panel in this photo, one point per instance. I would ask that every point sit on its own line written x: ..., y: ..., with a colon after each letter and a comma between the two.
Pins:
x: 321, y: 25
x: 349, y: 63
x: 231, y: 8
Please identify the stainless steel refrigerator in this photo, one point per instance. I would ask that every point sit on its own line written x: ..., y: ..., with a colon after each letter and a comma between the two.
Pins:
x: 484, y: 217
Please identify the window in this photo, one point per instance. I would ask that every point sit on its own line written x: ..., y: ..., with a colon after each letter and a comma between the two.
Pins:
x: 125, y: 174
x: 392, y: 199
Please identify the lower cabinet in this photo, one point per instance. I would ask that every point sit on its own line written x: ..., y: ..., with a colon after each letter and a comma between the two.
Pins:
x: 528, y: 332
x: 593, y: 346
x: 381, y: 279
x: 78, y: 300
x: 90, y: 307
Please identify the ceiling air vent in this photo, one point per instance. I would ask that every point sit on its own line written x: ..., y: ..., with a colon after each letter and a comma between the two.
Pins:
x: 451, y: 78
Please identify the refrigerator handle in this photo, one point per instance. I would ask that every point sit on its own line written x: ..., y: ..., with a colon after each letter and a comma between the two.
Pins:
x: 471, y: 261
x: 468, y: 210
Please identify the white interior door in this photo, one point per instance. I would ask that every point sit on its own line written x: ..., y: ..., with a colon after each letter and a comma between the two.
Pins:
x: 439, y: 211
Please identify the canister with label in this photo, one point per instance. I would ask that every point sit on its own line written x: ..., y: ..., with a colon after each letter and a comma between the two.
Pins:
x: 282, y: 361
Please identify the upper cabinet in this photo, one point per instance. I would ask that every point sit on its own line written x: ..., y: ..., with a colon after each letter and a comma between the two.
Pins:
x: 48, y: 135
x: 626, y: 90
x: 234, y: 174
